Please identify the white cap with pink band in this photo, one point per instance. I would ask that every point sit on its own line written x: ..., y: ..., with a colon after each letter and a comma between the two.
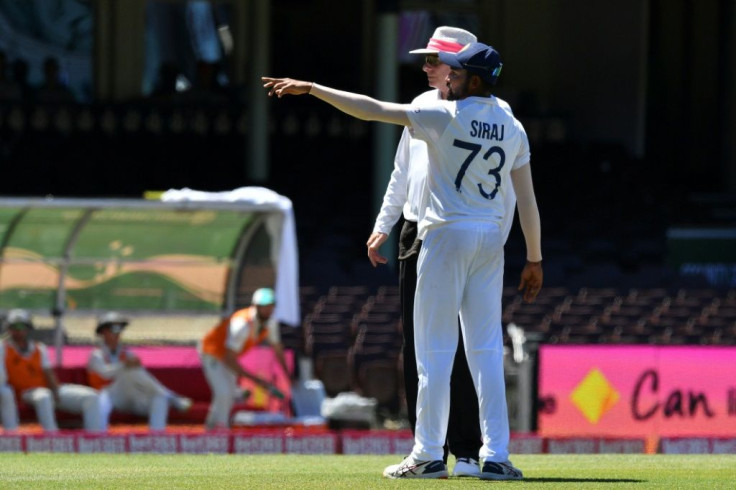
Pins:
x: 447, y: 39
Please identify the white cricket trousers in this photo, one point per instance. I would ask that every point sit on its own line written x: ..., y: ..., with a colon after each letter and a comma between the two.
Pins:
x: 72, y: 398
x: 8, y: 408
x: 224, y: 386
x: 460, y: 269
x: 137, y: 391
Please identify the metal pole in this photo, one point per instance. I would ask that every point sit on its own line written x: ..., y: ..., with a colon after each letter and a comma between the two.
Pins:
x: 385, y: 136
x: 258, y: 156
x: 728, y: 93
x: 58, y: 310
x: 246, y: 236
x: 525, y: 393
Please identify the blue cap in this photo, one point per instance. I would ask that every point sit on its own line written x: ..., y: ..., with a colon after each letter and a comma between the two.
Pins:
x: 263, y: 297
x: 478, y: 58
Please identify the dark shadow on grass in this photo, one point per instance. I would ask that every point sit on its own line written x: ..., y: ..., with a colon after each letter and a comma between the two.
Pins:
x: 581, y: 480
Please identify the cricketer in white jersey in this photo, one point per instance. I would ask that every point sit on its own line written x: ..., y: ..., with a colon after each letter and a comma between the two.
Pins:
x: 407, y: 193
x: 476, y: 150
x: 473, y: 146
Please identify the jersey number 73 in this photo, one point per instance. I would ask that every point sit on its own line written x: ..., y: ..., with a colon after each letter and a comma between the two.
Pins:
x: 475, y: 149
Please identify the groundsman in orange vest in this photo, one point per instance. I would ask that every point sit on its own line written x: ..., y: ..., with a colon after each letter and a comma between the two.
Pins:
x: 29, y: 373
x: 226, y: 342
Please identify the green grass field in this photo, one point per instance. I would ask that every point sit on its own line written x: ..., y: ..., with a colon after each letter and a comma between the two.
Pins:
x: 143, y: 471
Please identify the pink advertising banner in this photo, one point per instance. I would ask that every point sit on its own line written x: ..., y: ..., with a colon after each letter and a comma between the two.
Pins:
x: 628, y: 391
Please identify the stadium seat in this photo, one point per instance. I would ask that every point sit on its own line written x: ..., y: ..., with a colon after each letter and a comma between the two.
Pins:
x: 390, y: 293
x: 331, y: 367
x: 379, y: 379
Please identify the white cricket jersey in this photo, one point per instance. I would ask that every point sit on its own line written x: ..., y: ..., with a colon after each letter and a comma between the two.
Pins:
x: 106, y: 363
x: 473, y: 144
x: 407, y: 192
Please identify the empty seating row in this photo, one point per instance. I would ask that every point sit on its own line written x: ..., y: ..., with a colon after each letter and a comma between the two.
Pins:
x: 351, y: 333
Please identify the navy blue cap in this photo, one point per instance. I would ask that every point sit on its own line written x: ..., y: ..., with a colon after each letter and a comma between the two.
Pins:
x: 478, y: 58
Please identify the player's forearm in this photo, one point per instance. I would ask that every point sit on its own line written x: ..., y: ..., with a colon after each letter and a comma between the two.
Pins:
x: 531, y: 225
x: 526, y: 203
x: 104, y: 369
x: 231, y: 361
x: 362, y: 106
x: 281, y: 358
x: 256, y: 379
x: 51, y: 382
x: 532, y: 228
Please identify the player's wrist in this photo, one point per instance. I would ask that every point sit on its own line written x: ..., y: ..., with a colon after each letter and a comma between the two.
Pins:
x: 533, y: 262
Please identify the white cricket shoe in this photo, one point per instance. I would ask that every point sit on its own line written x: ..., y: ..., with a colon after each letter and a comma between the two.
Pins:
x: 500, y: 471
x: 411, y: 468
x: 466, y: 467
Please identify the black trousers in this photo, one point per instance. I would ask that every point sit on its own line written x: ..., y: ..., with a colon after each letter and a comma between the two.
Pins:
x: 463, y: 429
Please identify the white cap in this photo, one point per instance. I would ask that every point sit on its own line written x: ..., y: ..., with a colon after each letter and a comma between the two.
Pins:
x: 447, y: 39
x: 19, y: 316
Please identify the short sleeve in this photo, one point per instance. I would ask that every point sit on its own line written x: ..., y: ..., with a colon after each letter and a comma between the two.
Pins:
x: 274, y: 331
x: 100, y: 366
x: 523, y: 156
x: 429, y: 121
x: 238, y: 331
x: 45, y: 362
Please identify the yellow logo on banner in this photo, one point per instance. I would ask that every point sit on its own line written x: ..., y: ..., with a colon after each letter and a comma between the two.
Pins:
x: 594, y: 396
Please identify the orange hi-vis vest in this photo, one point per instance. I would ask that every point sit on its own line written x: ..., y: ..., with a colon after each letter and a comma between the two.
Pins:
x: 98, y: 382
x: 214, y: 342
x: 24, y: 372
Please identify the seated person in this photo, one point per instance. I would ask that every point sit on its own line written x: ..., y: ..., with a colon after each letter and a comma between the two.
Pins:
x: 28, y: 370
x: 8, y: 407
x: 124, y: 384
x: 226, y: 342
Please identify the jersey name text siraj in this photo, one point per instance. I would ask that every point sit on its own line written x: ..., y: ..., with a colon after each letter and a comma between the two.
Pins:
x: 480, y: 129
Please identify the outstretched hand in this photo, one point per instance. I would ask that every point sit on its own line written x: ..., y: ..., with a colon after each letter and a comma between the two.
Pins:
x: 531, y: 280
x: 286, y: 86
